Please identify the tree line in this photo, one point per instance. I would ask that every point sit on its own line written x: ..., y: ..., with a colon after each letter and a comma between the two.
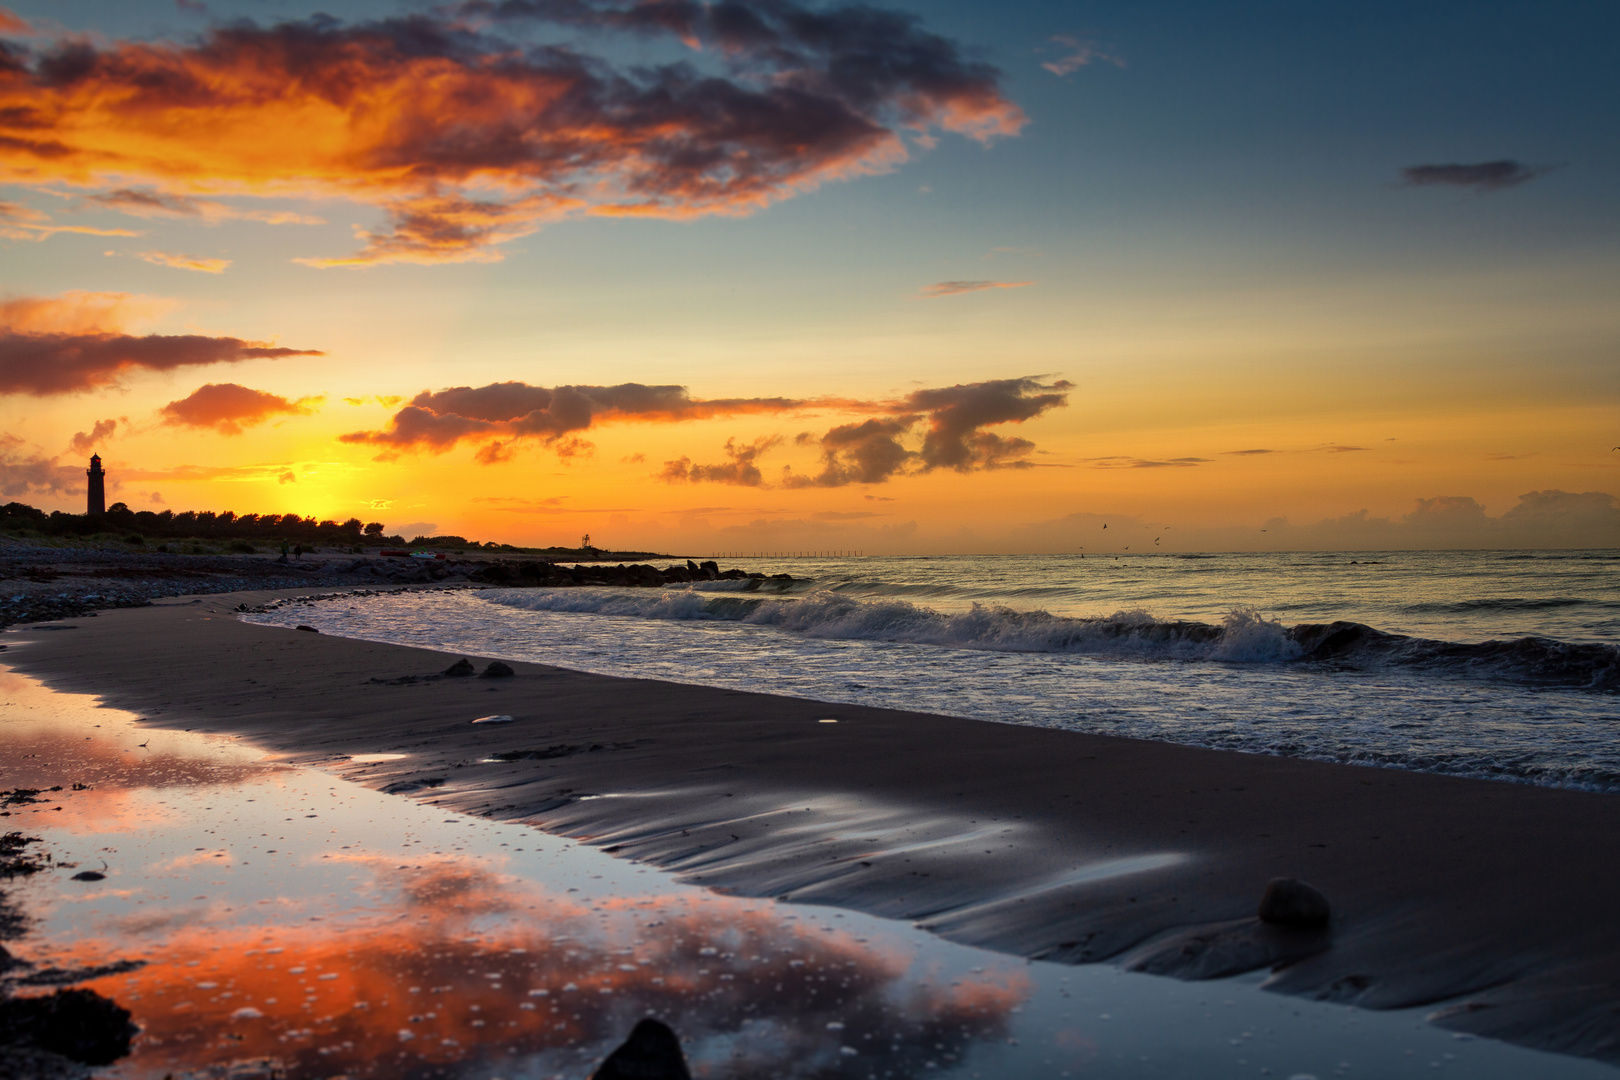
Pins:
x: 206, y: 525
x: 138, y: 526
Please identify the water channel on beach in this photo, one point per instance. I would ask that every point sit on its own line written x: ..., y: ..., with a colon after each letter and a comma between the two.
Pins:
x: 294, y: 924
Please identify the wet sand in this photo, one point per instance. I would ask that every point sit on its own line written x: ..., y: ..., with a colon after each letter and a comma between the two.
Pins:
x: 1489, y: 901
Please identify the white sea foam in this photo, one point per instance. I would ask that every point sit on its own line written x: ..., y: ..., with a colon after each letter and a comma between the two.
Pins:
x: 1244, y: 636
x: 1474, y: 665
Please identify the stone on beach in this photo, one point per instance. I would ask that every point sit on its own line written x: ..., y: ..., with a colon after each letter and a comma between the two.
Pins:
x: 498, y: 669
x: 306, y: 627
x: 501, y: 719
x: 77, y: 1024
x: 460, y: 667
x: 652, y: 1052
x: 1291, y: 902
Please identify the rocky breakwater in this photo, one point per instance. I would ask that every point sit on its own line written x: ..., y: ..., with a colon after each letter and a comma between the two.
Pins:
x: 540, y: 574
x: 44, y: 584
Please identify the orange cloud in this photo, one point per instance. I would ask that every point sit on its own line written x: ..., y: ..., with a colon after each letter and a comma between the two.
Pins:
x: 739, y: 470
x: 953, y: 288
x: 157, y: 204
x: 229, y: 407
x: 19, y: 222
x: 25, y: 470
x: 54, y: 346
x: 871, y: 452
x: 79, y: 312
x: 437, y: 420
x: 184, y: 262
x: 1079, y: 53
x: 85, y: 441
x: 467, y: 139
x: 437, y: 229
x: 951, y: 418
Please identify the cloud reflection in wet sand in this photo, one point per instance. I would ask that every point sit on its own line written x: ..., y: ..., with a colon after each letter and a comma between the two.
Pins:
x: 467, y: 968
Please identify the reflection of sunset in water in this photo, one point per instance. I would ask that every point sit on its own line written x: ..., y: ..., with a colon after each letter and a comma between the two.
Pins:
x: 472, y: 967
x: 294, y: 926
x: 50, y: 746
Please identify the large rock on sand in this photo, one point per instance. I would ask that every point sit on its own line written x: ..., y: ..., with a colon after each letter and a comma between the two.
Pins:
x: 1293, y: 903
x: 652, y: 1052
x: 460, y: 667
x: 80, y: 1025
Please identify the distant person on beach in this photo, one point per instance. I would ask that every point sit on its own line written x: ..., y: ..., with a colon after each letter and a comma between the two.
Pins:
x: 283, y: 552
x: 298, y: 551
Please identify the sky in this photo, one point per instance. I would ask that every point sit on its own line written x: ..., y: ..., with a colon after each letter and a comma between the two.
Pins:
x: 771, y: 275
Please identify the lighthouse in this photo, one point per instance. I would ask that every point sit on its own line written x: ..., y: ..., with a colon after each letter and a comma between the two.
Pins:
x: 97, y: 502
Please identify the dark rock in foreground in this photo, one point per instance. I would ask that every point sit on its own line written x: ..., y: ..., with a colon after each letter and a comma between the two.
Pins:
x: 553, y: 575
x: 79, y: 1025
x: 460, y: 667
x: 1291, y: 902
x: 652, y: 1052
x: 498, y: 669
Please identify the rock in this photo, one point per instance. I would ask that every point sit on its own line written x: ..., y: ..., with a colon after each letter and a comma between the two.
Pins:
x: 1291, y: 902
x: 711, y: 569
x: 498, y: 669
x: 306, y: 628
x: 652, y: 1052
x: 77, y: 1024
x: 89, y: 875
x: 32, y: 1063
x: 460, y: 667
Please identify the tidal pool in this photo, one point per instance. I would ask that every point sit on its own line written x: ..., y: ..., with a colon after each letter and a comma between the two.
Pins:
x: 293, y: 924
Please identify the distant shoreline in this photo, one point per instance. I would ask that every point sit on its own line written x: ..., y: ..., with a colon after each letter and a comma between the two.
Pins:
x: 1484, y: 899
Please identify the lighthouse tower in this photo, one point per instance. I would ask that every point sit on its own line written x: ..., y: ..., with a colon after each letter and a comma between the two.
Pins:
x: 98, y: 488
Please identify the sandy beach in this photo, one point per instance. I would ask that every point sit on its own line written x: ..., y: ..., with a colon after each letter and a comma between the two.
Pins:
x: 1485, y: 900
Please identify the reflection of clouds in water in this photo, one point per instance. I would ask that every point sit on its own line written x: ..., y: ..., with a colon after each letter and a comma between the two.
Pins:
x: 467, y: 967
x: 196, y: 858
x: 49, y: 743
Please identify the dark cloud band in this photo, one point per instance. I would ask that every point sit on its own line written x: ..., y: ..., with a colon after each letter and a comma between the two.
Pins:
x: 42, y: 364
x: 1483, y: 176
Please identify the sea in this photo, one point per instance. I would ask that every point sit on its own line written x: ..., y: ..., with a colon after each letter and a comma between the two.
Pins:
x: 1501, y: 664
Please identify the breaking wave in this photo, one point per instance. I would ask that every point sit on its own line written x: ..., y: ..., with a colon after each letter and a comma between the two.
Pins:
x: 1242, y: 637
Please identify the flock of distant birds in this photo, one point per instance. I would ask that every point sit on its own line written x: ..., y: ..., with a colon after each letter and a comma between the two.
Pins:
x: 1156, y: 539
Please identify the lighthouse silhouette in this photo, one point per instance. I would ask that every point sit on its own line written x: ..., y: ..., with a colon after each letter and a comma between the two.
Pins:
x: 97, y: 501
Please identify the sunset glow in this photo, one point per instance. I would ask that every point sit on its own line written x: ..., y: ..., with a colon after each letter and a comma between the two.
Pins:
x: 700, y: 278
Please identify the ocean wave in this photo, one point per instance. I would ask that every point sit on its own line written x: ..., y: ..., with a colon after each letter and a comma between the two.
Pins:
x: 1504, y: 603
x: 1243, y: 637
x: 1534, y: 660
